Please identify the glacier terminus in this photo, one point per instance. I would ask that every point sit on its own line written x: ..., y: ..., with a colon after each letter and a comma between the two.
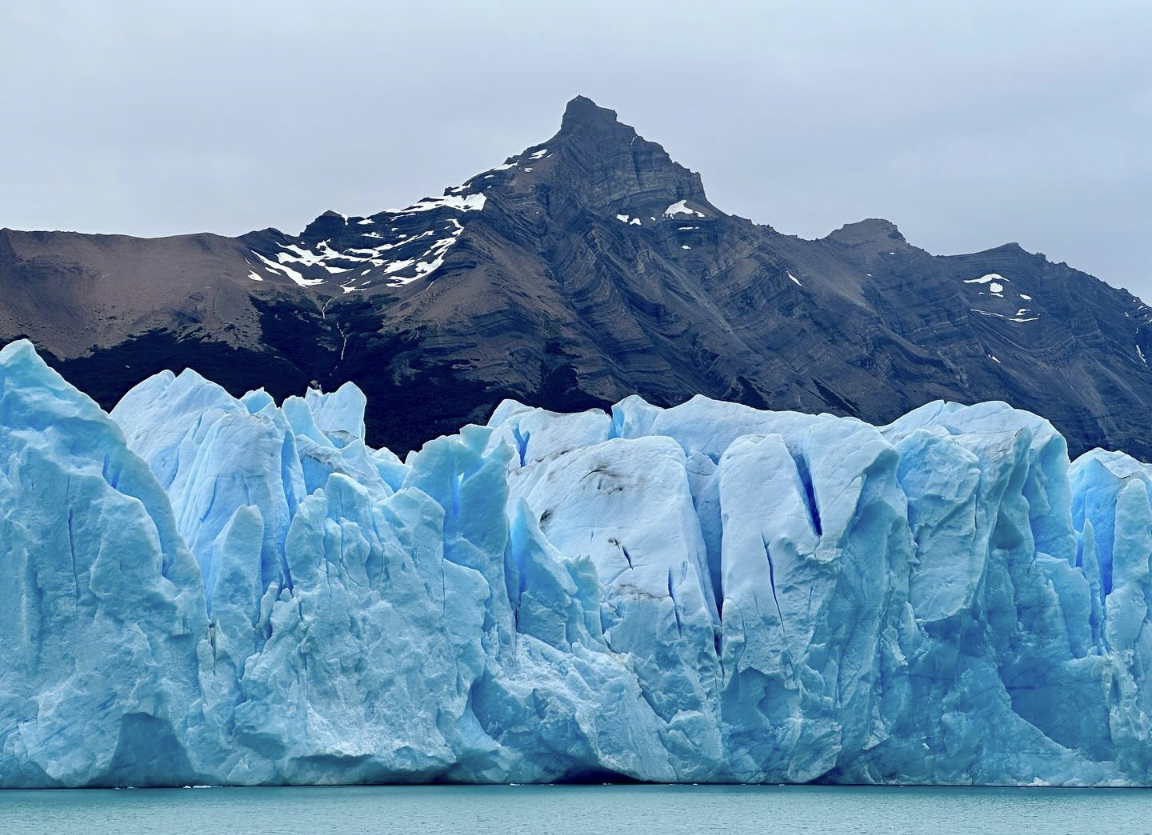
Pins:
x: 204, y: 589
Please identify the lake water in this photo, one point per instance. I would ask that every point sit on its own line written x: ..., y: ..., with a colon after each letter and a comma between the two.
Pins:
x: 559, y: 810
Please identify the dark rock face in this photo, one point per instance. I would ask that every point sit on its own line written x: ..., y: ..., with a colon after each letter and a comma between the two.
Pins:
x: 584, y: 269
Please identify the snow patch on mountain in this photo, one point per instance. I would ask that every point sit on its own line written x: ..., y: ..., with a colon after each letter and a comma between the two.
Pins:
x: 296, y: 277
x: 460, y: 202
x: 993, y: 281
x: 680, y: 207
x: 1016, y: 318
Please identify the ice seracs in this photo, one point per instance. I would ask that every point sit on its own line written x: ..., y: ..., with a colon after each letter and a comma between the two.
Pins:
x: 204, y: 589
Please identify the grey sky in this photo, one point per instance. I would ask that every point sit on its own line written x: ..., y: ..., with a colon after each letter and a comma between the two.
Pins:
x: 969, y: 124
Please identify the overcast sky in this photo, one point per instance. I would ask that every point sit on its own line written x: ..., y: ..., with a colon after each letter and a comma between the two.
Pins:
x: 969, y: 124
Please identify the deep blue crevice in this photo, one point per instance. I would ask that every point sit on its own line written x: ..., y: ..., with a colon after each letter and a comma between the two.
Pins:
x: 809, y: 493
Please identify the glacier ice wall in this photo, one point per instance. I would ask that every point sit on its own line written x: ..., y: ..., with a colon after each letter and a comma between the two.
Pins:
x: 209, y: 589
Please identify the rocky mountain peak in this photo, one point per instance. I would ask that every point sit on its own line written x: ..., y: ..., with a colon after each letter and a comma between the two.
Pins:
x: 582, y: 112
x: 617, y: 171
x: 873, y: 230
x: 325, y: 226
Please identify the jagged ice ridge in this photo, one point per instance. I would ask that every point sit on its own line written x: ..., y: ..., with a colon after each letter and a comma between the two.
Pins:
x: 205, y: 589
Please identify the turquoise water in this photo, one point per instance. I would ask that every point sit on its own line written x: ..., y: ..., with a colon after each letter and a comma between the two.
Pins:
x: 559, y: 810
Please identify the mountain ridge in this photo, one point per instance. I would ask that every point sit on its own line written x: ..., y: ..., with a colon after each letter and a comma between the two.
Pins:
x: 588, y: 267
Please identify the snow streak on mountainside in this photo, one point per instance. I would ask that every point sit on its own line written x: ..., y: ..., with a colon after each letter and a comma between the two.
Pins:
x: 210, y: 589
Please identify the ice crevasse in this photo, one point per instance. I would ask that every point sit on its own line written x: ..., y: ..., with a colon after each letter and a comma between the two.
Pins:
x: 203, y: 589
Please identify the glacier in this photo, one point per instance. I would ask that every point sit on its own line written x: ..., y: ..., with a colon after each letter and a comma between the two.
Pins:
x: 206, y: 589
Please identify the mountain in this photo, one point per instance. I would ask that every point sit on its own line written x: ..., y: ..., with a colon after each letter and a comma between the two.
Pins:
x: 584, y: 269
